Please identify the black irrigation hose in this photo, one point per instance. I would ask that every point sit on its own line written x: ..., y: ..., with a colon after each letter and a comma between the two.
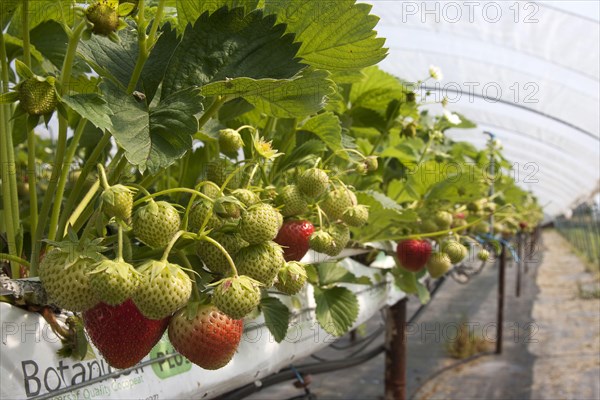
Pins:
x: 313, y: 368
x: 324, y: 366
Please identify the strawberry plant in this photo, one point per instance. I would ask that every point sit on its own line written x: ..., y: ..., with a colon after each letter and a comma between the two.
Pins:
x: 204, y: 148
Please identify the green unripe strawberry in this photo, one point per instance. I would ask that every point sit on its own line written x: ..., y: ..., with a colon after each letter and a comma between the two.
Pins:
x: 198, y: 214
x: 429, y: 226
x: 438, y: 264
x: 341, y: 236
x: 322, y: 242
x: 260, y: 261
x: 356, y: 215
x: 117, y: 201
x: 211, y: 191
x: 443, y: 219
x: 291, y: 278
x: 247, y: 197
x: 337, y: 201
x: 65, y: 277
x: 482, y: 228
x: 164, y: 288
x: 37, y: 95
x: 409, y: 131
x: 237, y: 296
x: 113, y: 282
x: 260, y: 223
x: 362, y: 168
x: 313, y: 182
x: 227, y: 208
x: 217, y: 171
x: 156, y: 223
x: 372, y: 163
x: 230, y: 141
x: 213, y: 258
x: 483, y: 255
x: 104, y: 17
x: 455, y: 251
x: 459, y: 223
x: 291, y: 201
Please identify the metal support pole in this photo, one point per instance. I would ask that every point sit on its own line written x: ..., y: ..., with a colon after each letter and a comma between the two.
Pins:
x: 519, y: 262
x: 395, y: 354
x: 527, y: 250
x: 500, y: 311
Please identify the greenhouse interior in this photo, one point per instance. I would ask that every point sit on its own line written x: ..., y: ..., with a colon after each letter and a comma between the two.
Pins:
x: 299, y: 199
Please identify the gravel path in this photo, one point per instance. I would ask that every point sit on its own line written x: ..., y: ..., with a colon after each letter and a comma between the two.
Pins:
x: 551, y: 340
x: 567, y: 353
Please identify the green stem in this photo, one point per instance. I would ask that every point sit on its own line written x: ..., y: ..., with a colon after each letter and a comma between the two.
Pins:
x: 120, y: 244
x: 32, y: 180
x: 174, y: 190
x: 170, y: 245
x: 62, y: 182
x: 6, y: 194
x: 115, y: 171
x: 222, y: 250
x: 82, y: 206
x: 25, y: 29
x: 81, y: 181
x: 49, y: 197
x: 15, y: 259
x: 8, y: 167
x: 67, y: 66
x: 103, y: 178
x: 247, y: 185
x: 142, y: 48
x: 212, y: 110
x: 155, y: 24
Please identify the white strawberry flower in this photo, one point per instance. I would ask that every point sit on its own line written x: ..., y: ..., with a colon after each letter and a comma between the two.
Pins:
x: 452, y: 118
x: 436, y: 73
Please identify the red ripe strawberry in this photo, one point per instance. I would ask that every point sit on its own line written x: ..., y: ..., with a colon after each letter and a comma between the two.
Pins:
x: 413, y: 254
x: 209, y: 338
x: 293, y: 237
x: 121, y: 333
x: 523, y: 225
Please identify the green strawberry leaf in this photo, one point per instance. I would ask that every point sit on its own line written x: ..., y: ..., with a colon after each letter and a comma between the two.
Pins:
x: 337, y: 309
x: 328, y: 128
x: 336, y: 35
x: 376, y: 91
x: 39, y: 11
x: 111, y: 60
x: 312, y: 276
x: 405, y: 280
x: 51, y: 40
x: 423, y: 293
x: 153, y: 138
x: 303, y: 95
x: 92, y: 107
x: 154, y: 69
x: 189, y: 11
x: 228, y: 44
x: 332, y: 272
x: 277, y: 317
x: 385, y: 215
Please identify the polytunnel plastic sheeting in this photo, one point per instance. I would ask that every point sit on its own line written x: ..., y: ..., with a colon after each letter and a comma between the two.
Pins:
x: 529, y: 72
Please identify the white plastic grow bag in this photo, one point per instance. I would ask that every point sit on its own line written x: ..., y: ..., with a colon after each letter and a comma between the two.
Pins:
x: 30, y: 368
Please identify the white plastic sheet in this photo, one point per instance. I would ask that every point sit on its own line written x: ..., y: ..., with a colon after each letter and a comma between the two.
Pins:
x: 527, y: 71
